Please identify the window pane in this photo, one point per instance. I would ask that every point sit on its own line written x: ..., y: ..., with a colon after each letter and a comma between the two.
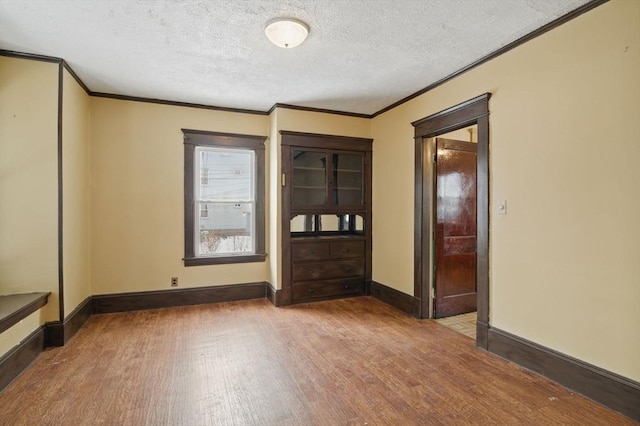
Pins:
x: 225, y: 174
x: 227, y: 228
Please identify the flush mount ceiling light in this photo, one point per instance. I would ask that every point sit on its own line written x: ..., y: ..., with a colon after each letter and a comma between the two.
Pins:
x: 286, y: 32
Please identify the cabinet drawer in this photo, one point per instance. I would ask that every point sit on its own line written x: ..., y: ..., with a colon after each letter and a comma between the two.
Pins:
x: 314, y: 290
x: 326, y: 270
x: 346, y: 249
x: 309, y: 251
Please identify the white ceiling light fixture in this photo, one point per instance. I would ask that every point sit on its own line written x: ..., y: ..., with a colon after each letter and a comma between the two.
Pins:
x: 286, y: 32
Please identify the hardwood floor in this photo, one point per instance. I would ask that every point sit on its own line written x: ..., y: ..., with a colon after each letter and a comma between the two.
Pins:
x: 344, y: 362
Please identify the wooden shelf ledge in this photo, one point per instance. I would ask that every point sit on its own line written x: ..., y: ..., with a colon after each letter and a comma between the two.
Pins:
x: 15, y: 307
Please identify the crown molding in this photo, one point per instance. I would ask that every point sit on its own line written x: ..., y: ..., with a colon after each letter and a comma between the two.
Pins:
x: 175, y: 103
x: 320, y: 110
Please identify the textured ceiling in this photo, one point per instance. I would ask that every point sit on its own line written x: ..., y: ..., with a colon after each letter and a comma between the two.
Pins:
x: 361, y: 55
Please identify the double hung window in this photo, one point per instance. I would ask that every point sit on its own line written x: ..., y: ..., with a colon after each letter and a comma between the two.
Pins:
x: 224, y: 198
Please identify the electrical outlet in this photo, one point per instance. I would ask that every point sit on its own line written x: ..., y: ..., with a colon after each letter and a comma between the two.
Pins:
x: 501, y: 207
x: 174, y: 281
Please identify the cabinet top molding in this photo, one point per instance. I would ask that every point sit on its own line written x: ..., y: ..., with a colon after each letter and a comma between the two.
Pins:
x: 326, y: 141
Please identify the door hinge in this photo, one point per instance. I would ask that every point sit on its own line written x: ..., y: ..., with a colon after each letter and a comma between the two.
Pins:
x: 284, y: 179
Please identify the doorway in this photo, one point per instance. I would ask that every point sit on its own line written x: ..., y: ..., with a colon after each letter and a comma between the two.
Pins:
x: 472, y: 112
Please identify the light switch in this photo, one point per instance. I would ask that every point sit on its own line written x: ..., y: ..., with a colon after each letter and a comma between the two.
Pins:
x: 501, y: 207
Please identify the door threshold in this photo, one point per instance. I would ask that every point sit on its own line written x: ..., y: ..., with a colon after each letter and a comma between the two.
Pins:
x: 464, y: 324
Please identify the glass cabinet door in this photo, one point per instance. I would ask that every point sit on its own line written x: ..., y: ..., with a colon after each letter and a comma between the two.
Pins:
x: 309, y: 178
x: 348, y: 177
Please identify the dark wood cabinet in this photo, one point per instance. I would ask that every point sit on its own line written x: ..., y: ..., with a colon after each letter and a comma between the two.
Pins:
x: 326, y: 221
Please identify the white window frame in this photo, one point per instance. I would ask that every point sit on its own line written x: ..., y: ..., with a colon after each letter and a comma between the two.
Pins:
x: 200, y: 200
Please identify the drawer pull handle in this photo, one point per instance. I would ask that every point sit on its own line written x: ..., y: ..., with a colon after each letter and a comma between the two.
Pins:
x: 347, y: 269
x: 309, y: 251
x: 311, y: 271
x: 311, y: 290
x: 346, y: 250
x: 347, y: 287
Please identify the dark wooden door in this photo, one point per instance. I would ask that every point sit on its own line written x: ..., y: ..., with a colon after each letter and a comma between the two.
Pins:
x: 455, y: 239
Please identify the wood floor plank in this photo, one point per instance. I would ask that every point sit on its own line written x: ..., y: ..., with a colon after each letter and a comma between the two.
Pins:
x: 343, y: 362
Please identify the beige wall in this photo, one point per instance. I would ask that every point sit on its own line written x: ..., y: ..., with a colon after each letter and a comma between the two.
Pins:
x: 330, y: 124
x: 137, y: 203
x: 75, y: 193
x: 393, y: 192
x: 28, y: 188
x: 29, y: 184
x: 20, y: 331
x: 274, y: 232
x: 565, y: 154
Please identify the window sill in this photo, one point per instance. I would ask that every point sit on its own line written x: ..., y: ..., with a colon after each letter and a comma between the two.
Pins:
x: 199, y: 261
